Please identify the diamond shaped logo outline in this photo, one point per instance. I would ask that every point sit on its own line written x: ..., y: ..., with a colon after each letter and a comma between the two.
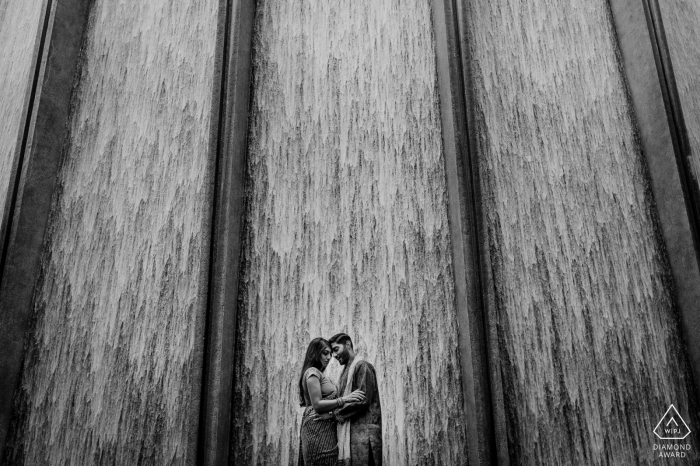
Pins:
x: 672, y: 417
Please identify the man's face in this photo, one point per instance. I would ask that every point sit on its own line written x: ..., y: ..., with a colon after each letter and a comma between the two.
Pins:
x: 340, y: 352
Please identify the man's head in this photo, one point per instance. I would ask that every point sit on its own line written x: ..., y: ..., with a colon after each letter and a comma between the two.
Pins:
x: 343, y: 351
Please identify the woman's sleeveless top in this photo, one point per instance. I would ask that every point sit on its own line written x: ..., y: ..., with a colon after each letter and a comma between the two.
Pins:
x: 328, y: 388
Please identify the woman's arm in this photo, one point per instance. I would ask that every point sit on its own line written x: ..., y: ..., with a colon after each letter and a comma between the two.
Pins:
x: 313, y: 385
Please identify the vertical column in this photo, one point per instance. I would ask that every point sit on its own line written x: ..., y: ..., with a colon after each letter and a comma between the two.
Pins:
x: 675, y: 41
x: 236, y: 23
x: 473, y: 289
x: 679, y: 20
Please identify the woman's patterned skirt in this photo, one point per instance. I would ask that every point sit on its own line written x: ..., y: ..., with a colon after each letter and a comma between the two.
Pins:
x: 318, y: 441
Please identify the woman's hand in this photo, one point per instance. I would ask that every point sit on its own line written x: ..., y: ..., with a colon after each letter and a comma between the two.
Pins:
x: 358, y: 396
x: 323, y: 417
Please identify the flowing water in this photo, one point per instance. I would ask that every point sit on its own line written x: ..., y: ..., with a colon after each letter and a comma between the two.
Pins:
x: 590, y: 345
x: 347, y: 230
x: 113, y: 370
x: 347, y: 225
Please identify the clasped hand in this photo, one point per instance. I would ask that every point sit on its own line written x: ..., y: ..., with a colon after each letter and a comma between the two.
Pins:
x: 358, y: 396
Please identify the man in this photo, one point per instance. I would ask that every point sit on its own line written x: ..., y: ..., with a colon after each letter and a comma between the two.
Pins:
x: 365, y: 418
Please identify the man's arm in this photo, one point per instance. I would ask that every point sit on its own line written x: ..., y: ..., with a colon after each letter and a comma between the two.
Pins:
x: 365, y: 380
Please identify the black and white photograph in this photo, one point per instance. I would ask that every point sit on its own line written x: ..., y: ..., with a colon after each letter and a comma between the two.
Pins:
x: 349, y: 232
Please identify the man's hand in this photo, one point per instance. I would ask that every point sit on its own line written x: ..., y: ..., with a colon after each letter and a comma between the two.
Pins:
x: 322, y: 417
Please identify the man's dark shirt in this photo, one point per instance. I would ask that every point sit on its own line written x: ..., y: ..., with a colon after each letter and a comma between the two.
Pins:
x: 365, y: 417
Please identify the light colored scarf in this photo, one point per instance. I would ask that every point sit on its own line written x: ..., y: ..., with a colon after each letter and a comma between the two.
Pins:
x: 344, y: 428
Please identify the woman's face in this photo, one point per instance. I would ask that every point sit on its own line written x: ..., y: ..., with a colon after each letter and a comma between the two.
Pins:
x: 325, y: 356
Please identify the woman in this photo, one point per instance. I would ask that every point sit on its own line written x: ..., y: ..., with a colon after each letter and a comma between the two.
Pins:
x: 318, y: 394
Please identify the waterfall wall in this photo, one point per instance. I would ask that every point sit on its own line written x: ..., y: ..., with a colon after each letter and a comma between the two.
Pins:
x: 20, y: 21
x: 113, y: 370
x: 346, y: 229
x: 347, y: 226
x: 589, y: 341
x: 681, y: 19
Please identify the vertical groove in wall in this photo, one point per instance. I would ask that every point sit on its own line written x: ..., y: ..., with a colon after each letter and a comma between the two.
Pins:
x: 210, y: 402
x: 465, y: 224
x: 494, y: 447
x: 232, y: 98
x: 21, y: 28
x: 113, y: 370
x: 347, y: 225
x: 589, y: 339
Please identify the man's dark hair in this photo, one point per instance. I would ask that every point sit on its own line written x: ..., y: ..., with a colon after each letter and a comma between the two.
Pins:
x: 341, y: 339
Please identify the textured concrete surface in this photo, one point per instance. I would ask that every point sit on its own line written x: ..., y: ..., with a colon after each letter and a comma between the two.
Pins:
x: 681, y: 18
x: 347, y: 225
x: 20, y: 23
x: 589, y: 339
x: 113, y: 370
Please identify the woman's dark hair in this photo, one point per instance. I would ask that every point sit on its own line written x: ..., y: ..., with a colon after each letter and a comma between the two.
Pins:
x: 312, y: 359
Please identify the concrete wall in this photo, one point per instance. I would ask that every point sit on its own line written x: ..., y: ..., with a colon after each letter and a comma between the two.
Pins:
x: 347, y: 225
x: 590, y: 346
x: 113, y: 369
x: 681, y: 19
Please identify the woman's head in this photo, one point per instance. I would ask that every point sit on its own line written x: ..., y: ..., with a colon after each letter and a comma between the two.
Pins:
x: 318, y: 355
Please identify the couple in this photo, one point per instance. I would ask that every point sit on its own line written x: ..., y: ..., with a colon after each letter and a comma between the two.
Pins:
x: 341, y: 425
